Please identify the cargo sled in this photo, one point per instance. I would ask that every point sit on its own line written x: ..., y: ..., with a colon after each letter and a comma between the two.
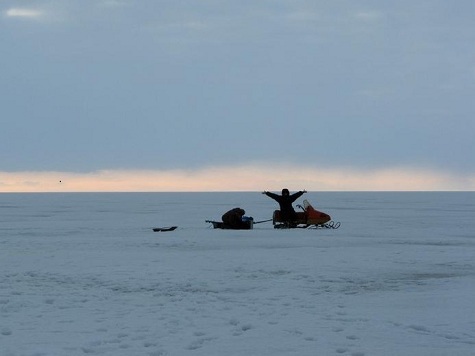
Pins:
x: 246, y: 224
x: 309, y: 217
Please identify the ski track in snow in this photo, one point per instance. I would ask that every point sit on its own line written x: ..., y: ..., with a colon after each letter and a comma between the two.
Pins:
x: 72, y: 286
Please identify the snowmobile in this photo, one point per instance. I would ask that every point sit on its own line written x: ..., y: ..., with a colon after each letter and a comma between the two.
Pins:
x: 309, y: 217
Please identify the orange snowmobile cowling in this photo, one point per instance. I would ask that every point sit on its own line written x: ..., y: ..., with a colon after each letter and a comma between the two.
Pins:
x: 315, y: 217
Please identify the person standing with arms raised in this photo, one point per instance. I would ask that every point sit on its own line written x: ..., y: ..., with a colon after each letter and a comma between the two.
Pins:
x: 287, y: 212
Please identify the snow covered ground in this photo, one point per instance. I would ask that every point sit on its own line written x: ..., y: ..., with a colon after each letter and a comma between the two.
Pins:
x: 83, y: 274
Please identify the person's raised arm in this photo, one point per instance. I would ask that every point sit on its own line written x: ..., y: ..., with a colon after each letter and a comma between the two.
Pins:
x: 271, y: 195
x: 297, y: 195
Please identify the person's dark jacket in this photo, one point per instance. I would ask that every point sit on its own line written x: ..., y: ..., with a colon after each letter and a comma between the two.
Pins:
x: 287, y: 212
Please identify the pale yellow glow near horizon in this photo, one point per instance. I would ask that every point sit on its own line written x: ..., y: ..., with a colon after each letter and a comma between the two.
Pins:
x: 242, y: 178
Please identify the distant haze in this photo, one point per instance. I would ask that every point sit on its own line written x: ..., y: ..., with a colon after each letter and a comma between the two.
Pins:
x: 242, y: 178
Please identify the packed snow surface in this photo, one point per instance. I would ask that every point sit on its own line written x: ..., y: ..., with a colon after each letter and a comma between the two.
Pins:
x: 84, y: 274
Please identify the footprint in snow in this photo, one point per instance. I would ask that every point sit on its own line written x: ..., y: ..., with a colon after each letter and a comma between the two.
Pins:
x: 246, y: 327
x: 6, y: 332
x: 234, y: 322
x: 341, y: 350
x: 196, y: 344
x: 419, y: 328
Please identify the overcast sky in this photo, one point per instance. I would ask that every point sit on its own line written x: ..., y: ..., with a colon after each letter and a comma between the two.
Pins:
x: 294, y: 89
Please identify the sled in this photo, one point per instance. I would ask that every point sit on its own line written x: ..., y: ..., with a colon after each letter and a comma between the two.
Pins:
x: 160, y: 229
x: 308, y: 218
x: 246, y: 225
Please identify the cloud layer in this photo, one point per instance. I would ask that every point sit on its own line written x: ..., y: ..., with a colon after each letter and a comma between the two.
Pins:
x: 172, y: 87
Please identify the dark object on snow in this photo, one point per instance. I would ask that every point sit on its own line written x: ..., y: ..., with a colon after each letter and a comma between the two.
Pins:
x: 170, y: 228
